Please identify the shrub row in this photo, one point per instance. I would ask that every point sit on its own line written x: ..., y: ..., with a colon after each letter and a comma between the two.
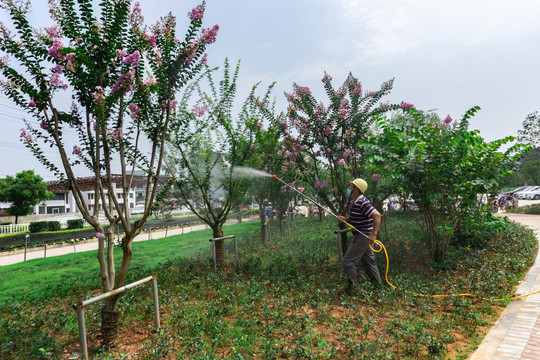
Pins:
x: 75, y: 224
x: 40, y: 226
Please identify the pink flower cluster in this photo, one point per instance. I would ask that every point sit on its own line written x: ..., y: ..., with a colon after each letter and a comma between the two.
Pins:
x: 170, y: 105
x: 447, y: 119
x: 124, y: 83
x: 150, y: 81
x: 32, y: 103
x: 209, y: 35
x: 121, y: 53
x: 133, y: 59
x: 204, y: 60
x: 56, y: 81
x: 199, y: 111
x: 26, y: 137
x: 100, y: 235
x: 52, y: 31
x: 77, y: 150
x: 99, y: 98
x: 44, y: 125
x: 151, y: 40
x: 319, y: 185
x: 196, y: 13
x: 134, y: 110
x: 115, y: 134
x: 375, y: 177
x: 191, y: 51
x: 405, y: 105
x: 54, y: 50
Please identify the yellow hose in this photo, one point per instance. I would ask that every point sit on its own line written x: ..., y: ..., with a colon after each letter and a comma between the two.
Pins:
x: 382, y: 247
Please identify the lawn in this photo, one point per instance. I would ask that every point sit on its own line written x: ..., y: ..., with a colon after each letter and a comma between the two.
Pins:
x: 40, y: 277
x: 286, y: 299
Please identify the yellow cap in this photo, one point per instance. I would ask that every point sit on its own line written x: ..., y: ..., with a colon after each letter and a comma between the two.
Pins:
x: 361, y: 184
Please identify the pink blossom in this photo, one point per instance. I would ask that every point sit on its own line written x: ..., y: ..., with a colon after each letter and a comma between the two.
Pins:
x: 447, y: 119
x: 69, y: 61
x: 134, y: 110
x: 99, y: 98
x: 151, y: 40
x: 124, y: 82
x: 150, y: 81
x: 170, y: 105
x: 301, y: 189
x: 357, y: 90
x: 204, y: 59
x: 328, y: 130
x: 115, y: 134
x: 326, y: 78
x: 77, y: 150
x: 334, y: 189
x: 121, y: 53
x: 199, y: 111
x: 133, y: 59
x: 57, y: 69
x: 306, y: 160
x: 57, y: 81
x: 209, y: 35
x: 44, y: 125
x: 341, y: 162
x: 26, y: 137
x: 32, y: 103
x: 260, y: 126
x: 405, y: 105
x: 375, y: 177
x: 54, y: 50
x: 100, y: 235
x: 52, y: 31
x: 196, y: 13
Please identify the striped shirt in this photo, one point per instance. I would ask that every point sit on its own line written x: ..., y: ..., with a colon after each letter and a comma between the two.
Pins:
x: 360, y: 214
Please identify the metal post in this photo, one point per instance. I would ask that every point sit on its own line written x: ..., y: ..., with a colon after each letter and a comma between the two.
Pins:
x: 74, y: 249
x: 25, y: 245
x: 82, y: 331
x: 190, y: 227
x: 235, y: 249
x: 166, y: 231
x: 149, y: 232
x: 45, y: 251
x: 156, y: 303
x: 214, y: 253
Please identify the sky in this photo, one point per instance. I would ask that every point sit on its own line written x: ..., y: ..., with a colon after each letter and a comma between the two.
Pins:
x: 445, y: 56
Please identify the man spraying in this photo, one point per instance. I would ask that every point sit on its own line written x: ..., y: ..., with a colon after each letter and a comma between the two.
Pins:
x: 366, y: 219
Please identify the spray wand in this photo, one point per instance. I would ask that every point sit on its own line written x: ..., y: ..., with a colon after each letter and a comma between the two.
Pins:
x: 316, y: 203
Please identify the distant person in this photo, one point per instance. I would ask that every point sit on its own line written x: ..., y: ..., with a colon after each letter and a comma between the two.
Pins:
x: 366, y: 219
x: 390, y: 206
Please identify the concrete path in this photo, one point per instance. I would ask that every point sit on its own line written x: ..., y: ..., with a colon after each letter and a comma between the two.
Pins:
x: 516, y: 335
x: 92, y: 244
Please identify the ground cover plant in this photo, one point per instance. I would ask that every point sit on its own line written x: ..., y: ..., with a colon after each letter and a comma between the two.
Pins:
x: 533, y: 209
x: 285, y: 299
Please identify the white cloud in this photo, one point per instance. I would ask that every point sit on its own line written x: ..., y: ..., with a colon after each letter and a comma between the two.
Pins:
x: 384, y: 31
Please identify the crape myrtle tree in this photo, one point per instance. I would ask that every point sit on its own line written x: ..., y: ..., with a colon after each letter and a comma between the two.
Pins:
x: 323, y: 140
x: 447, y: 168
x: 122, y: 77
x: 23, y: 191
x: 264, y: 149
x: 206, y: 147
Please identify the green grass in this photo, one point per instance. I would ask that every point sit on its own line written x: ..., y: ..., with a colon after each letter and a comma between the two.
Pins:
x: 533, y: 209
x: 285, y: 299
x: 39, y: 277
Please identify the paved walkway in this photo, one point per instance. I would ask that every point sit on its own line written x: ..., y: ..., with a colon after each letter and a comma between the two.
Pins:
x: 516, y: 335
x: 37, y: 253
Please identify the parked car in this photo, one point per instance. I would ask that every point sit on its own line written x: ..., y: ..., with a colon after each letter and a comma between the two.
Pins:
x: 521, y: 188
x: 519, y: 194
x: 532, y: 194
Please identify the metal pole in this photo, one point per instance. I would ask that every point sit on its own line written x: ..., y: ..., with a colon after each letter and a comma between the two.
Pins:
x: 74, y: 249
x: 148, y: 233
x: 214, y: 253
x: 156, y: 302
x: 166, y: 231
x: 25, y: 245
x: 235, y: 249
x: 45, y: 253
x: 82, y: 331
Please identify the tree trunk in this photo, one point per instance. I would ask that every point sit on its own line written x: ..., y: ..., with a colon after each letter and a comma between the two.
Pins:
x: 321, y: 214
x: 16, y: 219
x: 220, y: 247
x: 262, y: 217
x: 109, y: 322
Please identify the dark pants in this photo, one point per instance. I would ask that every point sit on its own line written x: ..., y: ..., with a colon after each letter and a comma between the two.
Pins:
x: 359, y: 250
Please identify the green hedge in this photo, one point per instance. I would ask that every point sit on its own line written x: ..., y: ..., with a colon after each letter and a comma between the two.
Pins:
x: 75, y: 224
x: 40, y: 226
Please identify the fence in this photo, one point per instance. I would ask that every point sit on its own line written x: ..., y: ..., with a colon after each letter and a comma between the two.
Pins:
x: 11, y: 228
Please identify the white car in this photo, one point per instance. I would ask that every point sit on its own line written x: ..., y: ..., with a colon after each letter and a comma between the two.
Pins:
x: 532, y: 194
x: 521, y: 194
